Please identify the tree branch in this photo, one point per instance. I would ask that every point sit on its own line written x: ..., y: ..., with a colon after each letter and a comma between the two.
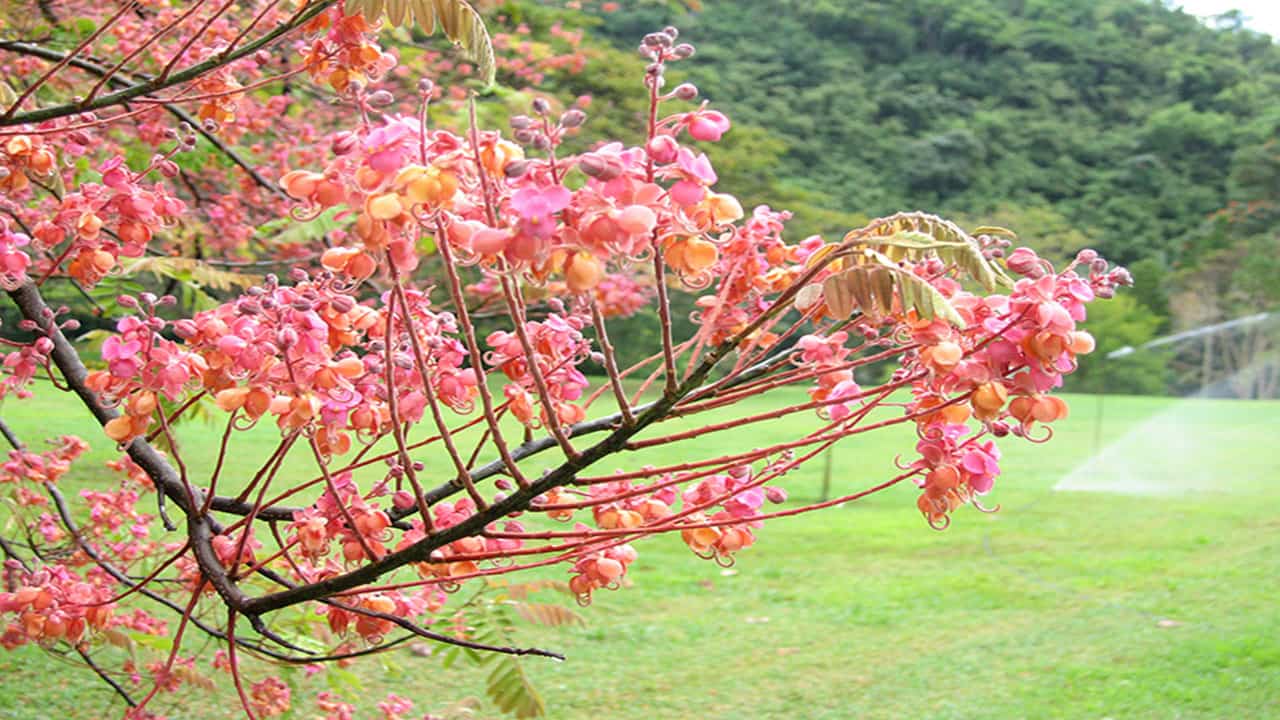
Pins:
x: 191, y: 73
x: 117, y: 79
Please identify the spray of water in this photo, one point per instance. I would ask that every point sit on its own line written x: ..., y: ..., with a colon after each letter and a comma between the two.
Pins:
x: 1182, y: 449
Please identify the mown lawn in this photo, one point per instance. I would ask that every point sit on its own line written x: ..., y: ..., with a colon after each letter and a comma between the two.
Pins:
x: 1062, y: 605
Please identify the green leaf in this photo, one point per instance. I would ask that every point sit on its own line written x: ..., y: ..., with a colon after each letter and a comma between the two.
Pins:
x: 548, y: 614
x: 336, y: 677
x: 873, y: 286
x: 155, y: 642
x: 450, y: 657
x: 193, y: 272
x: 289, y: 230
x: 460, y: 22
x: 912, y: 236
x: 7, y: 95
x: 511, y: 691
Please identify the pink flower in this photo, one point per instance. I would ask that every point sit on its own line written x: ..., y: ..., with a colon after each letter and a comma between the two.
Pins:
x: 707, y: 125
x: 1055, y: 318
x: 121, y: 355
x: 115, y: 174
x: 696, y: 175
x: 843, y: 389
x: 821, y: 350
x: 536, y: 205
x: 696, y: 167
x: 982, y: 464
x: 386, y: 150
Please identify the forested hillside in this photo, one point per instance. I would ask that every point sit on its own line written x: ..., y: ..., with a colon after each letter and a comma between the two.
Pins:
x: 1118, y: 123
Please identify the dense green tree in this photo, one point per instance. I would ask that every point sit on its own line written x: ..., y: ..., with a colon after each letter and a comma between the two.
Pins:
x: 1119, y: 114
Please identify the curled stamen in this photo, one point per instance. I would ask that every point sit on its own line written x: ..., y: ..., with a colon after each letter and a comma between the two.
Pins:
x: 305, y: 213
x: 1048, y: 435
x: 983, y: 508
x: 701, y: 281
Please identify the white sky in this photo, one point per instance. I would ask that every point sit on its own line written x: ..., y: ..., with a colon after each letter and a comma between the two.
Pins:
x: 1260, y: 15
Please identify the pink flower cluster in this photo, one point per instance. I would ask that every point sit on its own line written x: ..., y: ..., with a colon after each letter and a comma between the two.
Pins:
x: 51, y: 604
x: 24, y: 466
x: 559, y: 348
x: 107, y: 221
x: 1013, y: 350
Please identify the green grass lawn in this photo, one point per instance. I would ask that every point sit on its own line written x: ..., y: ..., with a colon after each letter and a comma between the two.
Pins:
x: 1062, y: 605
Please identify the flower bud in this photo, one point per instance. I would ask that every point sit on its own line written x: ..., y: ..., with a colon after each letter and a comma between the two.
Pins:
x: 599, y: 168
x: 186, y: 328
x: 342, y: 303
x: 671, y: 31
x: 344, y: 143
x: 663, y: 149
x: 515, y: 169
x: 1086, y: 256
x: 573, y: 118
x: 541, y: 106
x: 1023, y: 261
x: 425, y: 86
x: 381, y: 98
x: 521, y: 122
x: 686, y: 91
x: 683, y: 50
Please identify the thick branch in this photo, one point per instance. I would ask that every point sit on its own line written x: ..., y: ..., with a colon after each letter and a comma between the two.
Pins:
x: 516, y: 502
x: 64, y: 356
x: 183, y: 115
x: 191, y: 73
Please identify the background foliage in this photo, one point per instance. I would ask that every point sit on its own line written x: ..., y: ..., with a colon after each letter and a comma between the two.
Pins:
x: 1117, y: 124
